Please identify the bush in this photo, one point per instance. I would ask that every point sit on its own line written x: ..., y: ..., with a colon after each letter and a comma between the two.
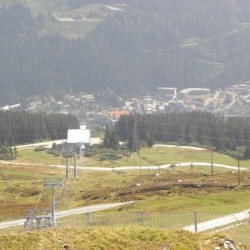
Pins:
x: 53, y: 152
x: 110, y: 157
x: 107, y: 153
x: 89, y: 153
x: 39, y: 148
x: 7, y: 157
x: 143, y: 144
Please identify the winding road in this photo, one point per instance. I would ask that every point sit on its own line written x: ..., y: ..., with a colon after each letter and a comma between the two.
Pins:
x: 182, y: 164
x: 80, y: 210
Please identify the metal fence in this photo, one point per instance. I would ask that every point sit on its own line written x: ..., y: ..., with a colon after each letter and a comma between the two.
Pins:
x: 235, y: 226
x: 169, y: 221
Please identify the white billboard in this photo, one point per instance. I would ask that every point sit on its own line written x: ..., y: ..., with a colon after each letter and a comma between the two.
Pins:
x: 78, y: 136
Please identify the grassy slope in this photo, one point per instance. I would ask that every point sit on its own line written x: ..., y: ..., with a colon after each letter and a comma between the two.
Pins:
x: 148, y: 157
x: 25, y: 184
x: 67, y: 29
x: 119, y: 238
x: 25, y: 191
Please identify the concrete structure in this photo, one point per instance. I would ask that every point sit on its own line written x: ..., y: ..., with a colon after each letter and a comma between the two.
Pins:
x: 195, y: 91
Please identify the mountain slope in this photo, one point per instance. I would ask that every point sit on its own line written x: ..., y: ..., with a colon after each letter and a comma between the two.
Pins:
x: 129, y: 48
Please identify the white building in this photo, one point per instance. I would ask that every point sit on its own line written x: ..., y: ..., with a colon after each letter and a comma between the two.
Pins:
x: 195, y: 91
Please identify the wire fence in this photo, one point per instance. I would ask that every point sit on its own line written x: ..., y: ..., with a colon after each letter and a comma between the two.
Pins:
x: 232, y: 226
x: 171, y: 221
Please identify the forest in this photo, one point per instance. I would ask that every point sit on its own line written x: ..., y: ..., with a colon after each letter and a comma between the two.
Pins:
x: 169, y: 43
x: 227, y: 134
x: 24, y: 127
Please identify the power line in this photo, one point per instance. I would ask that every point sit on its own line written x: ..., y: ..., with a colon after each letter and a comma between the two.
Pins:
x: 6, y: 183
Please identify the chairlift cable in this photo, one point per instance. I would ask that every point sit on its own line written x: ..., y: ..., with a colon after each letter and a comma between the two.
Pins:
x: 6, y: 183
x: 38, y: 200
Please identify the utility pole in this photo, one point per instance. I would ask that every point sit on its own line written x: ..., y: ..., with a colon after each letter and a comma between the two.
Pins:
x: 134, y: 138
x: 66, y: 151
x: 75, y: 163
x: 57, y: 182
x: 212, y: 161
x: 67, y: 167
x: 238, y: 169
x: 140, y: 166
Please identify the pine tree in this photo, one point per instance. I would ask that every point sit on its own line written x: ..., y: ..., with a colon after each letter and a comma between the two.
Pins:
x: 247, y: 152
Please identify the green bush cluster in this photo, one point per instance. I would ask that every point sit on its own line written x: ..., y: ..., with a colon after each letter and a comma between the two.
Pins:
x: 53, y: 152
x: 7, y: 153
x: 7, y: 157
x: 110, y: 157
x: 104, y: 154
x: 39, y: 149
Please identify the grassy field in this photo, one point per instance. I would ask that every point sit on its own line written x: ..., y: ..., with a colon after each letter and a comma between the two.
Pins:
x: 175, y: 192
x: 131, y: 238
x: 68, y: 29
x: 35, y: 6
x: 148, y: 157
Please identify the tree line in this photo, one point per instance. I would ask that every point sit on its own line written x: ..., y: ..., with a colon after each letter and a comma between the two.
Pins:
x: 24, y: 127
x: 195, y: 128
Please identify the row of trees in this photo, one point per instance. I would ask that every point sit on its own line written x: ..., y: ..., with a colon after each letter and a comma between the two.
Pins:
x: 184, y: 128
x: 24, y: 127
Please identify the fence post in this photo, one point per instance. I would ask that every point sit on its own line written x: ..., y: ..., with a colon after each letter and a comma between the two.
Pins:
x: 195, y: 222
x: 141, y: 218
x: 87, y: 219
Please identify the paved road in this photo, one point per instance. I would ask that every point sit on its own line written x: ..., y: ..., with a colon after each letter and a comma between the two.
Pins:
x: 182, y: 164
x: 45, y: 143
x: 80, y: 210
x: 219, y: 222
x: 183, y: 147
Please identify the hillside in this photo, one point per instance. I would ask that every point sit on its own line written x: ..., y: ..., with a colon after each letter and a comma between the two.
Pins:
x: 165, y: 194
x: 49, y: 48
x: 119, y: 238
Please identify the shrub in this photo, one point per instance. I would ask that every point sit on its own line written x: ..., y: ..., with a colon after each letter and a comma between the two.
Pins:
x: 89, y: 153
x: 53, y: 152
x: 39, y: 148
x: 110, y: 157
x: 7, y: 157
